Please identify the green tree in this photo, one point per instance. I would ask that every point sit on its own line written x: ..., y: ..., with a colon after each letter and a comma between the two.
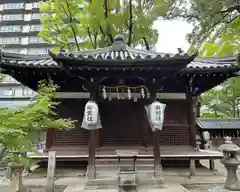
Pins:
x: 80, y: 24
x: 20, y: 129
x: 212, y: 19
x: 223, y: 101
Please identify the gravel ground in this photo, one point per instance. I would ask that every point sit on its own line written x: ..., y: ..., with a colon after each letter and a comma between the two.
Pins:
x: 206, y: 188
x: 58, y: 188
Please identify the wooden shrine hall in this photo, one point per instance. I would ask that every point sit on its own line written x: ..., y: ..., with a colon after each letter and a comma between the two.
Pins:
x: 122, y: 80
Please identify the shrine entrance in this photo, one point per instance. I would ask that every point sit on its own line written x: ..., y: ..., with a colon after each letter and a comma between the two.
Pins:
x: 123, y: 123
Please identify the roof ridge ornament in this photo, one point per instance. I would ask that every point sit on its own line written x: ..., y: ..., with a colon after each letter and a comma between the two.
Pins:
x: 118, y: 43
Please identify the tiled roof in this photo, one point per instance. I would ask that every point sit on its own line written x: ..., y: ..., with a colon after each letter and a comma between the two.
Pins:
x: 27, y: 60
x: 218, y: 123
x: 47, y: 61
x: 206, y: 63
x: 112, y: 53
x: 118, y: 52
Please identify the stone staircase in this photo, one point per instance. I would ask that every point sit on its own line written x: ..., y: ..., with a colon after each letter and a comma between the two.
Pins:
x: 107, y: 173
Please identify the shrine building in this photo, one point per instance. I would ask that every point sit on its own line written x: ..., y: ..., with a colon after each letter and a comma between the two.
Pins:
x: 122, y: 81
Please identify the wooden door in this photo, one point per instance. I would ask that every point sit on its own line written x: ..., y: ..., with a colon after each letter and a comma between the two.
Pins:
x: 122, y: 123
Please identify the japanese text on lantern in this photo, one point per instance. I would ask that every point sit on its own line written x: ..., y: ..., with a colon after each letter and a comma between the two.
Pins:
x: 158, y: 110
x: 89, y: 113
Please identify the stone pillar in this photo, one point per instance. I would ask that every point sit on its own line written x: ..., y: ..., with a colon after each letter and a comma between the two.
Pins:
x: 51, y: 171
x: 16, y: 184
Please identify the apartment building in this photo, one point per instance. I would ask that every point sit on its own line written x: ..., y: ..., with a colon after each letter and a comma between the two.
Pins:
x: 19, y: 27
x: 13, y: 94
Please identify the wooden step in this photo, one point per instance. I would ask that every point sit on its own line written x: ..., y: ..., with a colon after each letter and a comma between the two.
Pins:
x: 114, y: 161
x: 125, y: 166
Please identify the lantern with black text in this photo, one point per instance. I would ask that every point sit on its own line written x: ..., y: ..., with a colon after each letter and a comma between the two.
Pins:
x: 156, y: 112
x: 91, y: 113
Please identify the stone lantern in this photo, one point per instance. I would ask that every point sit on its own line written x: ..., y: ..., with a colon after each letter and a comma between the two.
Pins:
x: 231, y: 161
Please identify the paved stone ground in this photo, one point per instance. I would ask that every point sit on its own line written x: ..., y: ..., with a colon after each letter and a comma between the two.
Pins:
x: 74, y: 179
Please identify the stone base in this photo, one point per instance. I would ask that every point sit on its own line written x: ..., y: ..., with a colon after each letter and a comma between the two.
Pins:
x: 158, y: 173
x: 23, y: 189
x: 127, y: 181
x: 91, y: 172
x: 232, y: 186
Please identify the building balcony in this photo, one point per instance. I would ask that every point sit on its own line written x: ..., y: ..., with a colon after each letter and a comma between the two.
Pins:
x: 26, y: 40
x: 20, y: 18
x: 19, y: 7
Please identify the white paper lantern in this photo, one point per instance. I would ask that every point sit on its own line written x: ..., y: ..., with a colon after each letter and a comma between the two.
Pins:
x: 104, y: 93
x: 129, y: 94
x: 142, y: 93
x: 156, y: 112
x: 91, y: 113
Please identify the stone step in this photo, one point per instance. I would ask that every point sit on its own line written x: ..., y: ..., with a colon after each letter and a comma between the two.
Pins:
x: 112, y: 182
x: 104, y: 182
x: 125, y: 166
x: 113, y: 174
x: 123, y: 161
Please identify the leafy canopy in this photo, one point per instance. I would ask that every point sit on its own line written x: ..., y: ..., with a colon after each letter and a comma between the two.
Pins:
x: 80, y: 24
x: 216, y: 33
x: 20, y: 129
x: 211, y: 18
x: 223, y: 101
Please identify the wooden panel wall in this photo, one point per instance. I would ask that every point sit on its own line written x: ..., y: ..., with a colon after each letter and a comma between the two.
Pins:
x: 72, y: 108
x: 124, y: 123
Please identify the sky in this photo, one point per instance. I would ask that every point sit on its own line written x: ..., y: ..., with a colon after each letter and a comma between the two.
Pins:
x: 172, y: 35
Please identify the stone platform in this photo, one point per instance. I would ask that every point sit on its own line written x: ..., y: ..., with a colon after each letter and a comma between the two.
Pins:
x: 75, y: 179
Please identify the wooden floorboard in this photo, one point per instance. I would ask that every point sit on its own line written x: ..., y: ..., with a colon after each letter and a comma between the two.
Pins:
x: 167, y: 152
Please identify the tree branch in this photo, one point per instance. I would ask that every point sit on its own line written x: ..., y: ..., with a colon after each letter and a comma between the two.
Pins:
x: 90, y: 37
x: 110, y: 37
x: 231, y: 9
x: 209, y: 29
x: 73, y: 30
x: 130, y: 28
x: 95, y: 39
x: 101, y: 30
x: 59, y: 31
x: 146, y: 43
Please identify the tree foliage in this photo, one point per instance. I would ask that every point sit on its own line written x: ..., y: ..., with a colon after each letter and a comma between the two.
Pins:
x: 216, y: 32
x: 20, y: 129
x: 80, y: 24
x: 212, y: 19
x: 223, y: 101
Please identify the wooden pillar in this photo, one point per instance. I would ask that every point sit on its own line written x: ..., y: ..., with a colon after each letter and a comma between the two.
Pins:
x: 93, y: 136
x: 192, y: 120
x: 198, y: 109
x: 192, y: 113
x: 97, y: 139
x: 49, y: 139
x: 156, y: 138
x: 145, y: 131
x: 91, y: 169
x: 157, y: 155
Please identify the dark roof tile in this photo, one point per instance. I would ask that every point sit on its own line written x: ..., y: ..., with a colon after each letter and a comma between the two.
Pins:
x: 218, y: 123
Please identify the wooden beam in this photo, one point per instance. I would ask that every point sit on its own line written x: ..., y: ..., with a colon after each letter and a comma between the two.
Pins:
x: 192, y: 111
x: 49, y: 139
x: 192, y: 115
x: 93, y: 134
x: 91, y: 169
x: 156, y: 138
x: 156, y: 153
x: 86, y: 95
